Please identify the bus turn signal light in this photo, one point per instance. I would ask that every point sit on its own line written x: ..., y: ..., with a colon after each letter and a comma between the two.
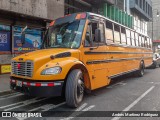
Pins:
x: 81, y: 16
x: 52, y: 23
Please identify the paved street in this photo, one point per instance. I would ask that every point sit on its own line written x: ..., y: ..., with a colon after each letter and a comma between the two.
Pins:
x: 127, y: 93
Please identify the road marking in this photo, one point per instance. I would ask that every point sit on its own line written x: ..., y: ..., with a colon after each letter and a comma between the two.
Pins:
x: 47, y: 107
x: 87, y: 109
x: 79, y: 109
x: 22, y: 102
x: 25, y: 103
x: 5, y: 91
x: 11, y: 96
x: 135, y: 102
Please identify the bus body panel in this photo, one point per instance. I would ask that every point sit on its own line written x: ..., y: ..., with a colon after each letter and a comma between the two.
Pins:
x: 98, y: 64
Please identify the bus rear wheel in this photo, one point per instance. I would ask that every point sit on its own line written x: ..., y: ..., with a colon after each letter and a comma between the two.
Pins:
x: 140, y: 72
x: 74, y: 91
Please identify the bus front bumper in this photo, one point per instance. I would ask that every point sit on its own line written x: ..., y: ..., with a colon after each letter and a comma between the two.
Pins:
x: 38, y: 89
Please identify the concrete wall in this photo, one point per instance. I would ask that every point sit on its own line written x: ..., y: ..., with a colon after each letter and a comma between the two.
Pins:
x: 50, y: 9
x: 156, y: 21
x: 5, y: 59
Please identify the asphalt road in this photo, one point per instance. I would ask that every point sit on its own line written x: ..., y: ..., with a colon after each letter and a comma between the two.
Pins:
x: 126, y: 93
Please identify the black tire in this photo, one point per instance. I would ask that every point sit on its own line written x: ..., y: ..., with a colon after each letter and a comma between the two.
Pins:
x: 74, y: 91
x: 140, y: 72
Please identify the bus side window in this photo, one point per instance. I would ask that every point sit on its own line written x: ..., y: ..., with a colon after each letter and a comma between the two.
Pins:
x: 101, y: 27
x: 133, y: 38
x: 150, y: 43
x: 117, y: 34
x: 94, y: 27
x: 128, y: 37
x: 143, y: 44
x: 137, y: 39
x: 146, y: 42
x: 88, y: 41
x: 140, y: 40
x: 109, y: 32
x: 123, y: 36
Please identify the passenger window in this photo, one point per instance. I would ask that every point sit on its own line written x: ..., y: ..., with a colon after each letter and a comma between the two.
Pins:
x: 117, y: 34
x: 150, y: 43
x: 137, y: 39
x: 128, y: 37
x: 123, y: 36
x: 88, y: 41
x: 133, y: 38
x: 94, y: 27
x: 101, y: 27
x: 143, y: 44
x: 109, y: 32
x: 140, y: 41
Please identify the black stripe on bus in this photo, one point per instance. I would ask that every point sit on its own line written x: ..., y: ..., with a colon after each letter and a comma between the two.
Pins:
x: 114, y: 60
x: 116, y: 52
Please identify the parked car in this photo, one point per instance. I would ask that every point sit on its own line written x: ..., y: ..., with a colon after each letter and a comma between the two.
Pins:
x: 156, y: 61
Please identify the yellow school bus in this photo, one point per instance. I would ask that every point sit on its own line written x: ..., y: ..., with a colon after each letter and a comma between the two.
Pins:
x: 81, y: 51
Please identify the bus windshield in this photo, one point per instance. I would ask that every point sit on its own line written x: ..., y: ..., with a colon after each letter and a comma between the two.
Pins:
x: 67, y: 35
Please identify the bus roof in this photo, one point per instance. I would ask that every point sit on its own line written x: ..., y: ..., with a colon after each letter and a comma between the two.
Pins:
x: 93, y: 14
x: 72, y: 17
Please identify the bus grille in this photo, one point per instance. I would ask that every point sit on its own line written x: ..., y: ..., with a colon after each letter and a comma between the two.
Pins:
x: 22, y: 68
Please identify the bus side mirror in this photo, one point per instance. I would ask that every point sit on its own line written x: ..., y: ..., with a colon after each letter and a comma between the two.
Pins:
x: 97, y: 35
x: 23, y: 38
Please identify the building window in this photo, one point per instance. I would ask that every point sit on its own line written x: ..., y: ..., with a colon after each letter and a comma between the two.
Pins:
x: 141, y: 4
x: 137, y: 2
x: 144, y: 5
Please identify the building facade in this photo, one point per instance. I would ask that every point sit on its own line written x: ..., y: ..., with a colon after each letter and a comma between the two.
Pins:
x: 16, y: 14
x: 154, y: 28
x: 36, y: 14
x: 142, y: 12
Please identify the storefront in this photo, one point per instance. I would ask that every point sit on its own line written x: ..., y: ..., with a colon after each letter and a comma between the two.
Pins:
x: 11, y: 25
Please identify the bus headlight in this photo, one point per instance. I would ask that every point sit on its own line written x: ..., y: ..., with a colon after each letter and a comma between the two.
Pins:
x: 52, y: 71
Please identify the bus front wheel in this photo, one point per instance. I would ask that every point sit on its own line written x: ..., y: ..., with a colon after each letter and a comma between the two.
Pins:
x: 140, y: 72
x: 74, y: 91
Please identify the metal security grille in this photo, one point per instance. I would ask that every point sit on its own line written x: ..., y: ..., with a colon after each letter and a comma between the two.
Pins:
x: 22, y: 68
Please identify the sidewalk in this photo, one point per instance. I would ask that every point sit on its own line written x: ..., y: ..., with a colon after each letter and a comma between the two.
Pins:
x: 4, y: 82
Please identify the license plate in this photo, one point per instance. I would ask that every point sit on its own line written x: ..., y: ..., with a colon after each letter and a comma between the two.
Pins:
x: 19, y: 83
